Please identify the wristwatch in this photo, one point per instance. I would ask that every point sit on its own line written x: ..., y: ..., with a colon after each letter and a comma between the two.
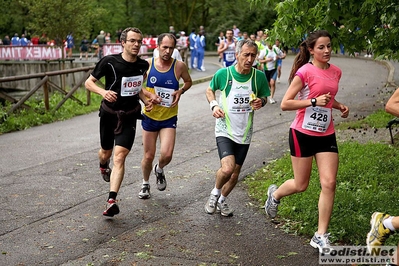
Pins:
x: 313, y: 101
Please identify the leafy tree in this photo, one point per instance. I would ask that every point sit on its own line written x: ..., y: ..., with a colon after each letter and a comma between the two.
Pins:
x: 13, y: 17
x: 356, y: 24
x: 57, y: 18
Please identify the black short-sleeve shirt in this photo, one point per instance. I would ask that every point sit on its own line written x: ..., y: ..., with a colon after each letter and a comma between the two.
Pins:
x: 123, y: 77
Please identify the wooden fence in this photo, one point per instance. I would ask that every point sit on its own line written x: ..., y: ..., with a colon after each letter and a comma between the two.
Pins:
x: 46, y: 84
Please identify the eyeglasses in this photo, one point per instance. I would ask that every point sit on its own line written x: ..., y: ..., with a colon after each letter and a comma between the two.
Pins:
x: 139, y: 42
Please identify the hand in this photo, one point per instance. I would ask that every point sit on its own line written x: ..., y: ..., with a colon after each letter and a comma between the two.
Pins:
x: 256, y: 104
x: 323, y: 100
x: 176, y: 97
x: 148, y: 106
x: 344, y: 111
x: 217, y: 112
x: 155, y: 99
x: 110, y: 96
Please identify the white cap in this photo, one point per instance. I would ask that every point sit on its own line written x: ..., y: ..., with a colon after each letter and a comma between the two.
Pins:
x: 182, y: 32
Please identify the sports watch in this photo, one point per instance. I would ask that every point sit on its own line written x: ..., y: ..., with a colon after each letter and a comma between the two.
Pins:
x: 313, y: 101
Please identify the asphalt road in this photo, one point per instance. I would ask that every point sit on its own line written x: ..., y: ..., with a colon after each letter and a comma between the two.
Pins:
x: 52, y: 195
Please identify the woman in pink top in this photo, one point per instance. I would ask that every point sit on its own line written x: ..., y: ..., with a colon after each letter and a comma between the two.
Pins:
x: 312, y: 134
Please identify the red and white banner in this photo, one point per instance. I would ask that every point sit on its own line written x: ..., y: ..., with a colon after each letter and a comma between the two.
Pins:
x: 116, y: 48
x: 36, y: 52
x: 44, y: 52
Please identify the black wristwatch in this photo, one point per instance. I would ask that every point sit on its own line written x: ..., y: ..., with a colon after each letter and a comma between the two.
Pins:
x: 313, y: 101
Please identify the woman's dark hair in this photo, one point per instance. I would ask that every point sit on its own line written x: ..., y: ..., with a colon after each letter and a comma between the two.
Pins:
x: 303, y: 56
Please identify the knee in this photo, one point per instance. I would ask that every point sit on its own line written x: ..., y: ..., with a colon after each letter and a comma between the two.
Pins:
x: 148, y: 157
x: 119, y: 159
x: 301, y: 187
x: 227, y: 171
x: 329, y: 185
x: 105, y: 154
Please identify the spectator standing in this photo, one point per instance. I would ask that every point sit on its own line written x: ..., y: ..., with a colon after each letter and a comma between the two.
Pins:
x: 240, y: 37
x: 235, y: 31
x: 172, y: 31
x: 35, y: 40
x: 118, y: 36
x: 101, y: 41
x: 6, y: 40
x: 70, y: 44
x: 24, y: 41
x: 15, y: 40
x: 182, y: 44
x: 200, y: 46
x: 193, y: 52
x: 175, y: 54
x: 108, y: 38
x: 84, y: 48
x: 94, y: 45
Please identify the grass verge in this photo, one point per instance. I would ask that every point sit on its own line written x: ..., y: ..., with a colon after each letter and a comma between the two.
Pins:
x: 24, y: 119
x: 367, y: 181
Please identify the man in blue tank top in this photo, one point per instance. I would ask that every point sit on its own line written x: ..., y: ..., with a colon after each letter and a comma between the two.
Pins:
x: 163, y: 81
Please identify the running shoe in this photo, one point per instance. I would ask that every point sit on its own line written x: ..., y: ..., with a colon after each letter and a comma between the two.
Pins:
x: 224, y: 209
x: 321, y: 242
x: 106, y: 172
x: 272, y: 101
x: 378, y: 233
x: 111, y: 208
x: 271, y: 204
x: 161, y: 181
x: 278, y: 80
x: 210, y: 206
x: 145, y: 192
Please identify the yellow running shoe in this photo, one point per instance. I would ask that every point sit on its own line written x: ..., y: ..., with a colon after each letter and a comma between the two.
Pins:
x: 378, y: 233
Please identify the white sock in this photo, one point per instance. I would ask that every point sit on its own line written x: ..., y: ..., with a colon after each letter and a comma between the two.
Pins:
x: 221, y: 199
x: 215, y: 191
x: 388, y: 223
x: 146, y: 182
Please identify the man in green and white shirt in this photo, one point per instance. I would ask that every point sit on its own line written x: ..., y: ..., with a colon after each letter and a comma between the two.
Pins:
x: 243, y: 89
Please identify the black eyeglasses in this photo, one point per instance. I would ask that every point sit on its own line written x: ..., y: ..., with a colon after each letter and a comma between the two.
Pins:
x: 135, y: 41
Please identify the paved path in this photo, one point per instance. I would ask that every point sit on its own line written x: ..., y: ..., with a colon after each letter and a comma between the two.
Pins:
x: 52, y: 195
